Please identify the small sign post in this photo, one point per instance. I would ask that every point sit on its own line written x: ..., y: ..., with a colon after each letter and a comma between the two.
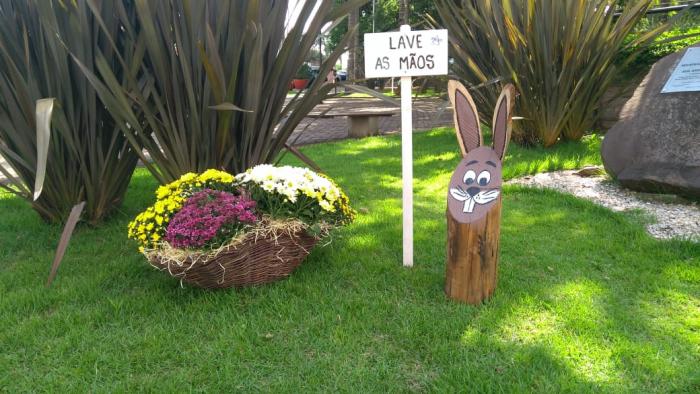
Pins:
x: 406, y: 54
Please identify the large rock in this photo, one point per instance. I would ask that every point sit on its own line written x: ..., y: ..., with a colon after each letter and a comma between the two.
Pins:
x: 656, y: 144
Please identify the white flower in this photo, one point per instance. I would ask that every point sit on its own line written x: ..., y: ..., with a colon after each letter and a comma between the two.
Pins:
x: 291, y: 182
x: 262, y: 173
x: 280, y: 188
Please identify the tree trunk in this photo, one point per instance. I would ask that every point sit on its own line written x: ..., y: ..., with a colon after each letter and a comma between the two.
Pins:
x: 353, y: 19
x: 472, y: 257
x: 403, y: 12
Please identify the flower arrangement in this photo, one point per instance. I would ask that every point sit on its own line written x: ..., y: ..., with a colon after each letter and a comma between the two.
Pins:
x: 198, y: 216
x: 217, y: 230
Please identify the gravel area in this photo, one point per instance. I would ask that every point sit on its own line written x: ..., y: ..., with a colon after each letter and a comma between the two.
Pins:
x: 675, y: 217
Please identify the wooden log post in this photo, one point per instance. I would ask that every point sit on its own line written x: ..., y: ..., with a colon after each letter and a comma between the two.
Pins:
x: 472, y: 257
x: 474, y: 198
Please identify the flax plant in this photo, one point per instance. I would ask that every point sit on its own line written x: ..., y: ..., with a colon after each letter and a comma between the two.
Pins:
x: 211, y: 81
x: 60, y: 144
x: 559, y: 55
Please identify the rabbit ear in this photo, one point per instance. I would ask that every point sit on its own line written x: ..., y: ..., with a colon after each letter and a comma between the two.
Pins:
x: 502, y: 120
x: 465, y: 116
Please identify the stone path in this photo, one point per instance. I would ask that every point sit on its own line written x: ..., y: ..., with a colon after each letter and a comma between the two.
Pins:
x: 675, y: 217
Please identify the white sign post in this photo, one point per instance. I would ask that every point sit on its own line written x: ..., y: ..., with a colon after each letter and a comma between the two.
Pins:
x: 406, y: 54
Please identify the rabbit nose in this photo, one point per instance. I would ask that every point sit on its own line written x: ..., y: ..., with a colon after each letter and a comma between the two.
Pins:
x: 473, y: 191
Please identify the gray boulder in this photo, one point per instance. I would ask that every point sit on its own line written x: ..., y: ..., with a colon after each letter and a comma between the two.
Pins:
x: 656, y: 144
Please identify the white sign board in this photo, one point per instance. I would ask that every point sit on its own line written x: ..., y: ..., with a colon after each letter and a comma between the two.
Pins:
x: 686, y: 75
x: 406, y: 53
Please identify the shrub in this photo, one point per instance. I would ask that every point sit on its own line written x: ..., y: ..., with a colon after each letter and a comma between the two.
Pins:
x: 559, y: 55
x: 304, y: 72
x: 82, y: 155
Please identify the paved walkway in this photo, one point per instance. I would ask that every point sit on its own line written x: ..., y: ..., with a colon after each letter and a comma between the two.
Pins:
x: 428, y: 113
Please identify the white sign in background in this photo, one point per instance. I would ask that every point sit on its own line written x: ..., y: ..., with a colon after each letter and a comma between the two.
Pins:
x: 686, y: 75
x: 406, y: 54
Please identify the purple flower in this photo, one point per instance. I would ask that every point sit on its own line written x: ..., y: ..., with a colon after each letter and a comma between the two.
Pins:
x: 208, y: 217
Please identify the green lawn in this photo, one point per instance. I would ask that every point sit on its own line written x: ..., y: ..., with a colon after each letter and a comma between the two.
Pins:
x: 586, y: 301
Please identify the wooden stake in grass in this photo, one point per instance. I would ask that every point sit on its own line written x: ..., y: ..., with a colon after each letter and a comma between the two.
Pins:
x: 65, y: 239
x: 474, y: 198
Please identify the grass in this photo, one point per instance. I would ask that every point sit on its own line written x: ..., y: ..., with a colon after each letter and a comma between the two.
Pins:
x: 586, y: 301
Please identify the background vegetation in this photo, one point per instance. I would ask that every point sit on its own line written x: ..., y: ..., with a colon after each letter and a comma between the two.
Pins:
x: 386, y: 17
x: 683, y: 33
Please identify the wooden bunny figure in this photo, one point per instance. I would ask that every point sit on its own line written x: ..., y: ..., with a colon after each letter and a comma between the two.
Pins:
x: 474, y: 198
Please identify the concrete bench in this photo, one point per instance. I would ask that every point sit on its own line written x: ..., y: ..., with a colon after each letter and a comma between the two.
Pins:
x: 362, y: 122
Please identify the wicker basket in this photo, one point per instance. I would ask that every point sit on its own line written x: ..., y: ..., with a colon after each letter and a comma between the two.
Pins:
x: 252, y: 261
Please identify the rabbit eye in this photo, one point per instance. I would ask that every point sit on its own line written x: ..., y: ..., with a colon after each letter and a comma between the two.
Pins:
x: 469, y: 177
x: 484, y: 178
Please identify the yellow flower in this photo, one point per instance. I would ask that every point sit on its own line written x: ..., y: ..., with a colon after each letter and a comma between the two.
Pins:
x: 326, y: 206
x: 187, y: 177
x: 309, y: 191
x: 162, y: 192
x: 214, y: 175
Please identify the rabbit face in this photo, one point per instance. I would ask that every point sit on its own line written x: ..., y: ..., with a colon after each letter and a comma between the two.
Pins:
x: 475, y: 185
